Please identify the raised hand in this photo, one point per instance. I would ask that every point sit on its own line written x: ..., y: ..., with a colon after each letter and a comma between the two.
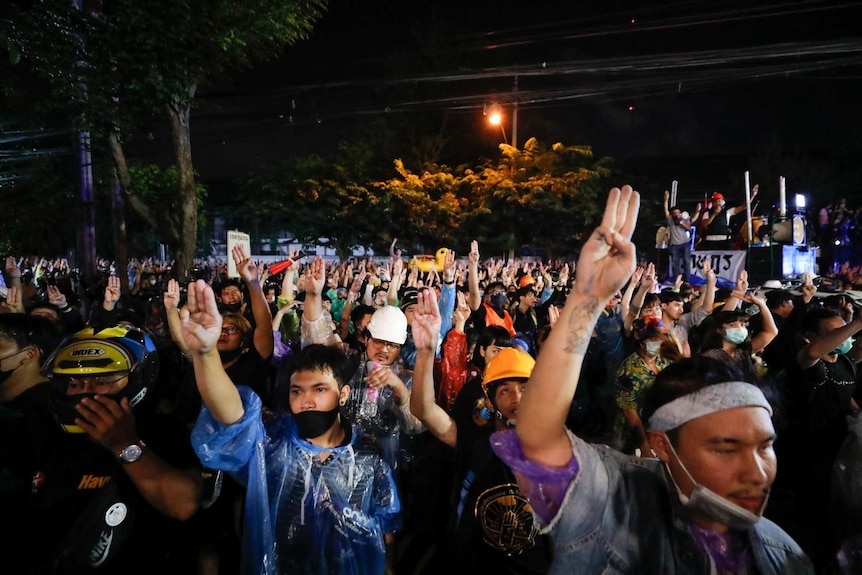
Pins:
x: 200, y: 318
x: 426, y: 321
x: 564, y: 275
x: 171, y: 297
x: 56, y: 297
x: 449, y: 266
x: 112, y: 293
x: 315, y: 276
x: 608, y: 257
x: 12, y: 269
x: 708, y: 272
x: 461, y: 313
x: 14, y: 302
x: 473, y: 256
x: 742, y: 283
x: 245, y: 266
x: 637, y: 275
x: 649, y: 278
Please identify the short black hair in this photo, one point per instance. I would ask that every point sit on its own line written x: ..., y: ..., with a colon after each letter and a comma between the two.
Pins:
x: 491, y: 335
x: 359, y: 312
x: 812, y: 318
x: 667, y: 295
x: 26, y: 330
x: 775, y: 298
x: 319, y: 357
x: 228, y: 283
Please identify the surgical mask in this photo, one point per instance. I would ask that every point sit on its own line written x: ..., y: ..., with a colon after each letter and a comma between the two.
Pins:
x: 652, y: 348
x: 736, y: 335
x: 711, y: 504
x: 499, y: 300
x: 845, y: 346
x: 311, y: 424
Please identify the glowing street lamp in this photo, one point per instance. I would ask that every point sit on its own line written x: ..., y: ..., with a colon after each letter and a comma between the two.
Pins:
x: 495, y: 118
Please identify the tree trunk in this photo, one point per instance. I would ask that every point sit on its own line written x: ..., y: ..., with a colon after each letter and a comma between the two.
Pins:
x: 121, y: 251
x: 343, y: 251
x: 179, y: 113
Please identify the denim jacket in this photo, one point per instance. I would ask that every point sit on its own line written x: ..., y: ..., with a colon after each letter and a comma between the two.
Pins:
x: 619, y: 515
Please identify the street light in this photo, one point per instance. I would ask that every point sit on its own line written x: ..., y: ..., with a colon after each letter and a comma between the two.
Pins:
x: 495, y: 118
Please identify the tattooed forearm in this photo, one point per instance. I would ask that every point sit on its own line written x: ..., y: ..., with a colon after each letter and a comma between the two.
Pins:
x: 580, y: 325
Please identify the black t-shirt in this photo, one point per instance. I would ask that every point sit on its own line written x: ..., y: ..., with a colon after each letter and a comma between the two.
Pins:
x: 67, y: 476
x: 493, y: 522
x: 250, y: 370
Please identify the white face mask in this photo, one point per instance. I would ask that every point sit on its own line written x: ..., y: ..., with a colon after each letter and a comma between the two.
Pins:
x: 711, y: 504
x: 652, y: 348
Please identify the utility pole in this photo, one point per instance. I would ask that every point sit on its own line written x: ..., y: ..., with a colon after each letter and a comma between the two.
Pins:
x: 515, y: 115
x: 87, y: 263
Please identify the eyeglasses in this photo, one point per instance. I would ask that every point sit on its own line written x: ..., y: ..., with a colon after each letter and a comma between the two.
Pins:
x: 229, y: 329
x: 385, y: 344
x: 95, y: 383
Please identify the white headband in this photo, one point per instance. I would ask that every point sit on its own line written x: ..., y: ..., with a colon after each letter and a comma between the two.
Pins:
x: 710, y: 399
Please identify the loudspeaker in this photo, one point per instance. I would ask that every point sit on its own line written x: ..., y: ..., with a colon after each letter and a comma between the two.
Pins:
x: 790, y: 231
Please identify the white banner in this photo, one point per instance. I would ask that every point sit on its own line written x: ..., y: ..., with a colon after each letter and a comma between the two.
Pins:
x: 726, y: 264
x: 235, y: 237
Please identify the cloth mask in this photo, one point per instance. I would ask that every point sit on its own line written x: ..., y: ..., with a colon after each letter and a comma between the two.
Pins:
x: 499, y: 300
x: 311, y: 424
x: 4, y: 375
x: 736, y: 335
x: 228, y: 355
x: 229, y: 307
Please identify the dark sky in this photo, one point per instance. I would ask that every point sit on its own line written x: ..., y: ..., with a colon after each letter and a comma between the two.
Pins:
x: 636, y: 80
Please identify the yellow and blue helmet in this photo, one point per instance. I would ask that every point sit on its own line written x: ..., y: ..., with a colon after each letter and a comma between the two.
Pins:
x: 118, y: 349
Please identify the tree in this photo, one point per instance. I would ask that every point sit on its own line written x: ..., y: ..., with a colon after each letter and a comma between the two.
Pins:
x: 116, y: 62
x: 541, y: 197
x: 319, y: 200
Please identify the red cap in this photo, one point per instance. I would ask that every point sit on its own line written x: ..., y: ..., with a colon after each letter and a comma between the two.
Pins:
x: 717, y: 196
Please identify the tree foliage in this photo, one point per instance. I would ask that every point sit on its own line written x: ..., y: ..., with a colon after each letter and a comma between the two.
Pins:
x: 537, y: 197
x: 319, y: 200
x: 114, y: 63
x: 541, y: 197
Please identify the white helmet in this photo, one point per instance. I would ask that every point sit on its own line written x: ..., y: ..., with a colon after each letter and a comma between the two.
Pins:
x: 389, y: 324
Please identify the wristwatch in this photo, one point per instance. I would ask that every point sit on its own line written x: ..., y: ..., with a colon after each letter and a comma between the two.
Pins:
x: 131, y: 453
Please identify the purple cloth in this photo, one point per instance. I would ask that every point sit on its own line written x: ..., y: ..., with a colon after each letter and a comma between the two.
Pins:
x: 728, y: 550
x: 545, y: 487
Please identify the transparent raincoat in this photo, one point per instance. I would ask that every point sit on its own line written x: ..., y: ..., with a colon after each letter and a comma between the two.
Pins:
x: 302, y: 515
x: 376, y: 412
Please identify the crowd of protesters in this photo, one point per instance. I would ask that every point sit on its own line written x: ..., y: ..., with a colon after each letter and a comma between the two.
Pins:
x: 484, y: 415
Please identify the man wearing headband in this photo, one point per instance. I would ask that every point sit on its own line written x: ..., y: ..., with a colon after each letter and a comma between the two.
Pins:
x: 696, y: 509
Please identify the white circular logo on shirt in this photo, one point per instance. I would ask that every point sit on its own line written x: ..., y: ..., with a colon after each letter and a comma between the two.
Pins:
x: 116, y: 514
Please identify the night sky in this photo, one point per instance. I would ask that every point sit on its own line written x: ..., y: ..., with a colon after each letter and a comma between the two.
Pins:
x: 687, y: 88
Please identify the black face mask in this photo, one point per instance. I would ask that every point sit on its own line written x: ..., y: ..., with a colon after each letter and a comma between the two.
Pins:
x: 230, y: 307
x: 228, y: 355
x: 311, y: 424
x: 4, y: 375
x: 498, y: 301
